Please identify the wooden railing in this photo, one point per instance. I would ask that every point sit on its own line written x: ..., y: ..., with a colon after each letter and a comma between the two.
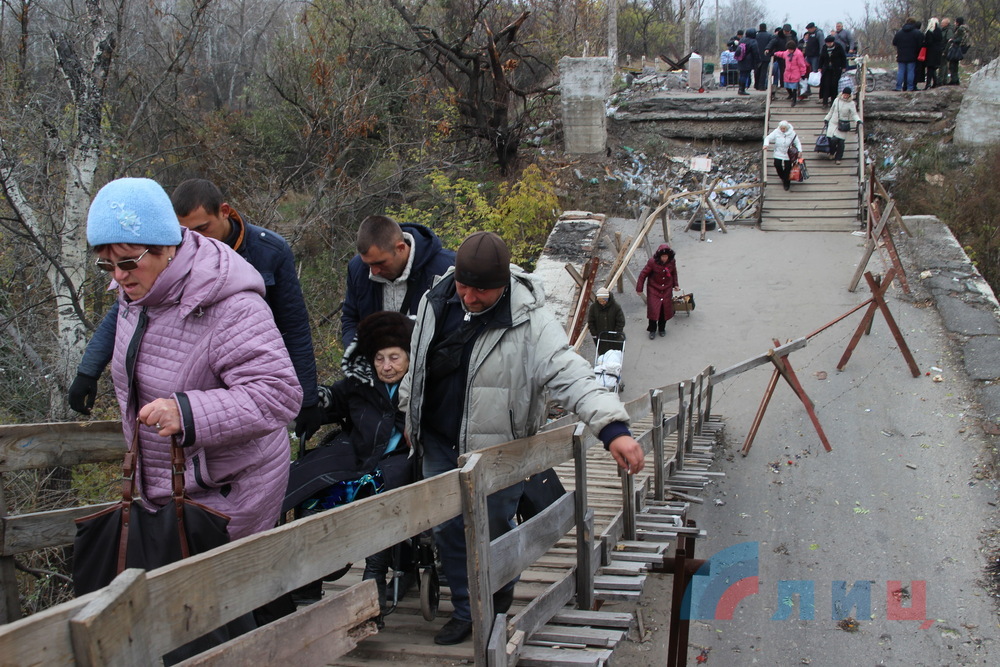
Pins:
x: 864, y: 184
x: 143, y: 615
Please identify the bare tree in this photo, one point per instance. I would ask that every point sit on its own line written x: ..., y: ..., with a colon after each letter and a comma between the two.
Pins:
x: 485, y: 69
x: 57, y: 232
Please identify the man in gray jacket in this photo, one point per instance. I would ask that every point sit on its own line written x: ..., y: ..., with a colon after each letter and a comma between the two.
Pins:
x: 485, y: 354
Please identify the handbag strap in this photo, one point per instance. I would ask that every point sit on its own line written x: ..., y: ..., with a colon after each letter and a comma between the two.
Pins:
x: 177, y: 475
x: 129, y: 464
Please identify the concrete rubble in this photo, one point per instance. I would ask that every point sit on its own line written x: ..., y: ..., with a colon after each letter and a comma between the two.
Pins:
x: 978, y: 120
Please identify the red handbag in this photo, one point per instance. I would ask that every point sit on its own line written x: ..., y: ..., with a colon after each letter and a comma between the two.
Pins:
x: 922, y: 54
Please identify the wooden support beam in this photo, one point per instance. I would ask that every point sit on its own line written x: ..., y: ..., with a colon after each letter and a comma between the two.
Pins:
x: 870, y: 245
x: 574, y: 274
x: 879, y: 303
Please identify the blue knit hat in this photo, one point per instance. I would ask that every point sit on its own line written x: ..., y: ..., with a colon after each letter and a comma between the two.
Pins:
x: 132, y: 210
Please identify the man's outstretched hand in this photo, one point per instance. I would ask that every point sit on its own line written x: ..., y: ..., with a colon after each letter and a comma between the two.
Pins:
x: 627, y: 451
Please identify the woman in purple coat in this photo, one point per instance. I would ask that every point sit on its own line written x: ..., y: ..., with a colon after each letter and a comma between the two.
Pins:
x: 197, y: 357
x: 661, y: 273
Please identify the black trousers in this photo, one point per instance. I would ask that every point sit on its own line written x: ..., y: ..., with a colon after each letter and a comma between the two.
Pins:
x: 784, y: 168
x: 837, y: 147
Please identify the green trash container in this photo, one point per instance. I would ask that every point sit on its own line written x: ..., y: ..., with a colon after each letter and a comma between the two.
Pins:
x: 709, y: 69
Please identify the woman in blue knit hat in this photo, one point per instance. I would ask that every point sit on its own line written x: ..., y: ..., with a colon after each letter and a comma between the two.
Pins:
x: 197, y: 358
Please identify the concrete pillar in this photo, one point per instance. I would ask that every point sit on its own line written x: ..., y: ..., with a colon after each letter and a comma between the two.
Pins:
x: 584, y: 84
x: 978, y: 120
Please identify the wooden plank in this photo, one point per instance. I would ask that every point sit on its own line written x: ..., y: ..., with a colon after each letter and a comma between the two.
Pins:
x: 539, y: 656
x: 508, y: 463
x: 25, y: 446
x: 625, y: 583
x: 597, y: 619
x: 10, y: 603
x: 496, y: 647
x: 538, y: 612
x: 212, y: 589
x: 310, y: 637
x: 754, y: 362
x: 109, y: 630
x: 21, y: 533
x: 561, y: 634
x: 515, y: 551
x: 514, y: 646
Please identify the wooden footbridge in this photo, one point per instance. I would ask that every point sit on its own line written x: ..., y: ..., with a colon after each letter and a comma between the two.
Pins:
x: 593, y: 545
x: 831, y: 199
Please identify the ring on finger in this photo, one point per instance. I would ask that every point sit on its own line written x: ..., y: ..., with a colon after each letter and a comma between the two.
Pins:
x: 158, y: 427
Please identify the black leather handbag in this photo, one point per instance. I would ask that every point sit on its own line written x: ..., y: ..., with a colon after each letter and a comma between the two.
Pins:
x: 129, y: 535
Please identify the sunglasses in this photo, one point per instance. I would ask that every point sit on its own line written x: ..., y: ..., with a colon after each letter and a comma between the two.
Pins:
x: 125, y: 264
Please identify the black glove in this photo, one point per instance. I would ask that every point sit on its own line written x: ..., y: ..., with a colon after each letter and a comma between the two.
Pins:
x: 308, y: 422
x: 82, y: 393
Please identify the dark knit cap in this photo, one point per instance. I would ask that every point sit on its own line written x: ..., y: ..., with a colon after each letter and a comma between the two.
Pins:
x: 483, y: 261
x: 383, y: 329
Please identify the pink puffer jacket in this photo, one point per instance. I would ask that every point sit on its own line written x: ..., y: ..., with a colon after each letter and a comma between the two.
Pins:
x: 210, y: 342
x: 796, y: 66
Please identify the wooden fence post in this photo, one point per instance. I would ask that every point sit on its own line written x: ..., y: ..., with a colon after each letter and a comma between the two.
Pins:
x: 477, y: 553
x: 656, y: 402
x: 10, y: 604
x: 681, y: 418
x: 584, y: 526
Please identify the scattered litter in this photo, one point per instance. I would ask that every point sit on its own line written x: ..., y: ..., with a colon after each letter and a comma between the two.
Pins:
x: 820, y: 375
x: 937, y: 370
x: 848, y: 625
x: 719, y: 502
x: 911, y: 466
x: 937, y: 378
x: 924, y: 275
x: 935, y: 179
x: 887, y: 434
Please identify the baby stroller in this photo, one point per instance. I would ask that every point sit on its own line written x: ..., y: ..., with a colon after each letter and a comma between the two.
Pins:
x: 324, y: 478
x: 608, y: 358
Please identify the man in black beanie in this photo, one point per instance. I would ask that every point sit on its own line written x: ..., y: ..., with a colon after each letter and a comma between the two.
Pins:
x: 485, y: 355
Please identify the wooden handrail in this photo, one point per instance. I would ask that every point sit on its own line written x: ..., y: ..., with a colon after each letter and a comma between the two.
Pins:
x: 216, y: 587
x: 863, y: 183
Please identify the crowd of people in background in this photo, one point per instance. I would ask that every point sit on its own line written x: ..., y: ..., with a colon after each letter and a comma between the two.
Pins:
x: 818, y: 60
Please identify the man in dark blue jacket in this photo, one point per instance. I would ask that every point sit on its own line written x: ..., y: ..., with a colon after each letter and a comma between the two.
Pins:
x: 907, y: 41
x: 760, y: 73
x: 394, y: 266
x: 200, y: 207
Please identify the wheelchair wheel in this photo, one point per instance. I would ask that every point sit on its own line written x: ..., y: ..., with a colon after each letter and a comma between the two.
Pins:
x: 430, y: 593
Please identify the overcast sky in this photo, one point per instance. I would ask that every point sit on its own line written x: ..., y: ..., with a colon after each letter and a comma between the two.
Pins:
x: 799, y: 13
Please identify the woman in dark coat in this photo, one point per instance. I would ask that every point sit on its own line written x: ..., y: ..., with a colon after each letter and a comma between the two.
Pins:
x: 934, y: 41
x: 832, y: 61
x: 661, y: 272
x: 366, y: 404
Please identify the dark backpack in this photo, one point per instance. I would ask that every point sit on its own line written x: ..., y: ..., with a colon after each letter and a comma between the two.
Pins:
x: 741, y: 52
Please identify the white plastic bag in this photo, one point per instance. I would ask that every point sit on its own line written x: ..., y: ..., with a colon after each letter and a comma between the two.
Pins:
x: 815, y: 78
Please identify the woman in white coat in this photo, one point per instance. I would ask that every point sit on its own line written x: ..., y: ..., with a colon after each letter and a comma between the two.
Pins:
x: 842, y: 110
x: 783, y: 137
